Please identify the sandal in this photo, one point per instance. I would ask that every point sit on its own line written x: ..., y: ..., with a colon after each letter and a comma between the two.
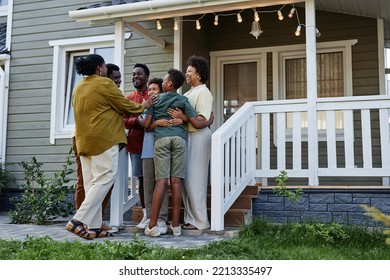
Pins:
x: 189, y: 227
x: 100, y: 233
x: 78, y: 228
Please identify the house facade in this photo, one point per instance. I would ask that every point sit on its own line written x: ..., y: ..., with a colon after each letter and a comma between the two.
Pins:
x: 259, y: 51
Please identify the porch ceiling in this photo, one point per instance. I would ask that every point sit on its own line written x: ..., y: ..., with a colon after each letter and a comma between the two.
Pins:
x: 133, y: 11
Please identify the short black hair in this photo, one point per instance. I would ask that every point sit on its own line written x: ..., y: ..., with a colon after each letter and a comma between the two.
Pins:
x: 177, y: 77
x: 157, y: 81
x: 201, y: 66
x: 143, y: 66
x: 111, y: 67
x: 86, y: 65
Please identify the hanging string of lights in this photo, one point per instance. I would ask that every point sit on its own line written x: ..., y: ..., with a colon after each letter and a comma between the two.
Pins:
x: 255, y: 29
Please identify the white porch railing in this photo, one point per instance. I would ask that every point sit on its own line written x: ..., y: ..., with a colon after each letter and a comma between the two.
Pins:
x: 259, y: 128
x: 263, y: 138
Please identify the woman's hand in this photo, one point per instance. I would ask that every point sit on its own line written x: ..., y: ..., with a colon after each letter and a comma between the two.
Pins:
x: 176, y: 114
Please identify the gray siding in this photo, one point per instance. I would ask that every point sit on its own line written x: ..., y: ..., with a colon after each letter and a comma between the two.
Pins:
x: 35, y: 23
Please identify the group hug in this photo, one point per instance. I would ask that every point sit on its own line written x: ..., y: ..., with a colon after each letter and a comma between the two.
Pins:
x: 165, y: 133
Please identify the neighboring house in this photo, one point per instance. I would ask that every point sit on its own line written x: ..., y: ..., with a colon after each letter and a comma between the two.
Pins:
x: 271, y: 61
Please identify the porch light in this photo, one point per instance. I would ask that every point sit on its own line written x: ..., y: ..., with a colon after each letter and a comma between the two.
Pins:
x: 239, y: 18
x: 280, y: 15
x: 198, y: 27
x: 216, y: 20
x: 159, y: 25
x: 256, y: 30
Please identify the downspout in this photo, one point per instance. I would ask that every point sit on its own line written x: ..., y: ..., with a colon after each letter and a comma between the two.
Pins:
x: 311, y: 66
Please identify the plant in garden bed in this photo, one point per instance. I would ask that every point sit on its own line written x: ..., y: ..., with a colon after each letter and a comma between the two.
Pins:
x: 43, y: 199
x: 5, y: 176
x: 281, y: 189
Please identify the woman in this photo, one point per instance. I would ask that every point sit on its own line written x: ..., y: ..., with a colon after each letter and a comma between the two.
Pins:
x: 198, y: 146
x: 98, y: 109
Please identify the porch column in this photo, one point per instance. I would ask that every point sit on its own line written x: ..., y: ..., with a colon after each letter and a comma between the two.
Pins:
x: 311, y: 66
x: 119, y: 191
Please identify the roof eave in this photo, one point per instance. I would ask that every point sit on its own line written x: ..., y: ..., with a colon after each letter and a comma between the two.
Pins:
x: 149, y: 10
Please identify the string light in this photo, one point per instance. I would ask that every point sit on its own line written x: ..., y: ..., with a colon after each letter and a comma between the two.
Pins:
x: 159, y: 25
x: 280, y: 15
x: 291, y: 13
x: 216, y: 20
x: 298, y: 31
x: 256, y: 16
x: 239, y: 18
x: 198, y: 24
x: 255, y: 29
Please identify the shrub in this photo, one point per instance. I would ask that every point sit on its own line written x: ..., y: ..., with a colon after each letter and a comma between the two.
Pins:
x: 43, y: 199
x: 281, y: 190
x: 5, y: 177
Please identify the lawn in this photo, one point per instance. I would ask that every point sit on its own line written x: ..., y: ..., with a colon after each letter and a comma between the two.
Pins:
x: 257, y: 241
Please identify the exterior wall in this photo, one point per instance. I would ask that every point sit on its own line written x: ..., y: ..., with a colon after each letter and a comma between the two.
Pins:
x: 339, y: 206
x: 31, y: 75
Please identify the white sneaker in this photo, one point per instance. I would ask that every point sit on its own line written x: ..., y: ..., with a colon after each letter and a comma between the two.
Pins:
x: 143, y: 224
x: 154, y: 232
x: 175, y: 230
x: 162, y: 226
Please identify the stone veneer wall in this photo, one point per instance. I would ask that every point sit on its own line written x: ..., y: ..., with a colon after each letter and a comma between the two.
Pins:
x: 340, y: 206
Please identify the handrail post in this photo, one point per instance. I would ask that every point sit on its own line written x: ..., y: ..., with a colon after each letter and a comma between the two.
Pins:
x: 217, y: 176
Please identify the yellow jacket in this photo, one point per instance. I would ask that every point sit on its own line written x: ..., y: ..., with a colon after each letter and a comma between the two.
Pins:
x: 98, y: 109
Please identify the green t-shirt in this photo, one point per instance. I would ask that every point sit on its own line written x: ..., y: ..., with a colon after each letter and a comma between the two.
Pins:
x: 159, y: 112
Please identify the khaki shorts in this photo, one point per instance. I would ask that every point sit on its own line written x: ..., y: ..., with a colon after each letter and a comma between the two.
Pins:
x: 170, y: 157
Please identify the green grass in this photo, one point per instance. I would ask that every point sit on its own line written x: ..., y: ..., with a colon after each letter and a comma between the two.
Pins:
x: 258, y: 241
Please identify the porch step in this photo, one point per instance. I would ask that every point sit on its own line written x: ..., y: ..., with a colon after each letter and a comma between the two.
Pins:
x: 240, y: 213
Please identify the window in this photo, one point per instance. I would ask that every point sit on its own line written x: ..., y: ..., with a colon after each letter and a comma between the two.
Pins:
x: 334, y: 79
x: 65, y: 78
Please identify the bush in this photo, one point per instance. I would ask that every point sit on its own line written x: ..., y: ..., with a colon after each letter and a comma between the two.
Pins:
x: 5, y: 177
x: 43, y: 199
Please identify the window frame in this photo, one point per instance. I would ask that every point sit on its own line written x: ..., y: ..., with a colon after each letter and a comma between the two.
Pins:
x: 59, y: 129
x: 299, y: 51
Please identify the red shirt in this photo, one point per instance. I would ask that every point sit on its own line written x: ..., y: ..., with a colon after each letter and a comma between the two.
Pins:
x: 135, y: 137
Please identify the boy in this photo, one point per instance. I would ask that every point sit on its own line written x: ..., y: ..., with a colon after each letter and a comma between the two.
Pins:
x: 169, y: 148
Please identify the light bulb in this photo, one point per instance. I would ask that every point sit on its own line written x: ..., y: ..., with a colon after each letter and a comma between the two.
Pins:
x: 159, y: 25
x: 318, y: 33
x: 239, y: 18
x: 280, y: 15
x: 216, y: 20
x: 298, y: 31
x: 198, y: 24
x: 291, y: 14
x: 256, y: 16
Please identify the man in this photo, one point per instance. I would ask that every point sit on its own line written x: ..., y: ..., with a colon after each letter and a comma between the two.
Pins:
x: 135, y: 136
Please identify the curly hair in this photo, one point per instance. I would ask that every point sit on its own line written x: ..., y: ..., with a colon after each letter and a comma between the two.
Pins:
x: 201, y: 66
x: 86, y: 65
x: 110, y: 68
x: 157, y: 81
x: 177, y: 77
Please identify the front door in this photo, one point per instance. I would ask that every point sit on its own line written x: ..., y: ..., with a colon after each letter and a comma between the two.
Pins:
x: 235, y: 79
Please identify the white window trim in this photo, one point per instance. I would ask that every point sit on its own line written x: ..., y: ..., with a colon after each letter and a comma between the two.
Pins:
x: 57, y: 128
x: 279, y: 56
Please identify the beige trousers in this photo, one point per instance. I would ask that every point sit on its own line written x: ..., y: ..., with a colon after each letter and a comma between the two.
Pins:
x: 99, y: 175
x: 196, y: 181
